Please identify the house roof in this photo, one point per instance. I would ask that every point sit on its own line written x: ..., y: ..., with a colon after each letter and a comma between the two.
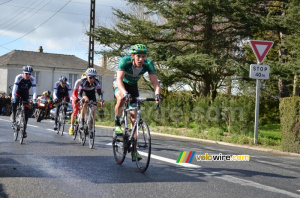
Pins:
x: 41, y: 59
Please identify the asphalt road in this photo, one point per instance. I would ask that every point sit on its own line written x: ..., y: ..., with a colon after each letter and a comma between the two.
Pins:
x: 50, y: 165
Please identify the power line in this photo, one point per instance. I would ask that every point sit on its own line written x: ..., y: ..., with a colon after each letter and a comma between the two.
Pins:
x: 15, y: 11
x: 39, y: 25
x: 25, y: 18
x: 5, y: 2
x: 20, y: 14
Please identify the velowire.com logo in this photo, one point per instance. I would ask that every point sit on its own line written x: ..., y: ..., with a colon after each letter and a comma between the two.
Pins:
x: 187, y: 157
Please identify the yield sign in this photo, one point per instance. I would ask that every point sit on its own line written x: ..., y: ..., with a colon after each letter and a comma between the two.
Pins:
x: 261, y: 49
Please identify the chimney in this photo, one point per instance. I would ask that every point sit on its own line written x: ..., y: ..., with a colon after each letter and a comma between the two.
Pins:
x: 41, y: 49
x: 104, y: 62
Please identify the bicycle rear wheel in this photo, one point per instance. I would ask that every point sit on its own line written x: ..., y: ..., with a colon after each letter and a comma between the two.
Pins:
x: 119, y: 145
x: 143, y: 147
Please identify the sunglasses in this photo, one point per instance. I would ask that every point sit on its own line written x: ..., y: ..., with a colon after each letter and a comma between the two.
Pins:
x: 28, y: 74
x: 91, y: 77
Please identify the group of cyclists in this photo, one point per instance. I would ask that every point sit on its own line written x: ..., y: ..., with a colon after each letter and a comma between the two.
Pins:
x: 130, y: 69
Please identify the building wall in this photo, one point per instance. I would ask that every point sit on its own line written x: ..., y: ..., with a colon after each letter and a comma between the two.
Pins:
x: 107, y: 87
x: 3, y: 80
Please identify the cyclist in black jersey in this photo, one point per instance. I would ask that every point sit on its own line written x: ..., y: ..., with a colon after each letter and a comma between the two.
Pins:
x: 23, y: 83
x: 87, y: 89
x: 62, y: 92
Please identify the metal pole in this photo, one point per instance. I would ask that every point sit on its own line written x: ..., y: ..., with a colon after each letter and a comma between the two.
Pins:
x: 91, y: 37
x: 256, y: 110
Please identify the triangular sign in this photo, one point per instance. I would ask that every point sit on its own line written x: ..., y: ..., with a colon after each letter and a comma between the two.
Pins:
x: 261, y: 49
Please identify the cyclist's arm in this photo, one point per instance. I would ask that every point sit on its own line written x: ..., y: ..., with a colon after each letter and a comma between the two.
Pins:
x: 69, y: 90
x: 55, y: 90
x: 120, y: 84
x: 15, y: 88
x: 98, y: 89
x: 155, y: 83
x: 33, y: 87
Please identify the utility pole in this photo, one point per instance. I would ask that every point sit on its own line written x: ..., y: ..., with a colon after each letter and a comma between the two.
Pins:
x: 91, y: 37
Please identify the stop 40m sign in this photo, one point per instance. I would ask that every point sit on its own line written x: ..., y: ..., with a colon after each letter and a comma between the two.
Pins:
x: 259, y: 71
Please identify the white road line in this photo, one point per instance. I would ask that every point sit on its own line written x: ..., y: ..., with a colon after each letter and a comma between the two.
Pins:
x: 33, y: 126
x: 5, y: 120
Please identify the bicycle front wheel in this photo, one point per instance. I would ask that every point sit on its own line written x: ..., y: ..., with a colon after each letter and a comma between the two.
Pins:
x: 76, y: 128
x: 142, y: 147
x: 22, y: 126
x: 91, y: 132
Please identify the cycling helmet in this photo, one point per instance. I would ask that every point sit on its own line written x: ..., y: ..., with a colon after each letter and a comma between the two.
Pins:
x: 139, y: 49
x: 63, y: 79
x: 83, y: 75
x: 91, y: 72
x: 46, y: 93
x: 27, y: 69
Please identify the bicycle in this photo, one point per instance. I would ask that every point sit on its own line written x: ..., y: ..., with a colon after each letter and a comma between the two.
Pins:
x: 141, y: 145
x: 89, y: 120
x: 20, y: 124
x: 61, y: 118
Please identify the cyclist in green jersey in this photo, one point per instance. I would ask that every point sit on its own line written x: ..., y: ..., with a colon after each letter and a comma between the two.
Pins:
x: 130, y: 70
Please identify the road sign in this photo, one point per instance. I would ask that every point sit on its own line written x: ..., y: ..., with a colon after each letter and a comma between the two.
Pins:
x: 259, y: 71
x: 261, y: 49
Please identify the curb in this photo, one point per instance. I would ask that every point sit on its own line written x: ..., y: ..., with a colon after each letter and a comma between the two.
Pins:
x: 218, y: 142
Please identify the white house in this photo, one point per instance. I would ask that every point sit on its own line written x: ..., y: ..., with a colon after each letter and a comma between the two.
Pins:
x: 48, y: 68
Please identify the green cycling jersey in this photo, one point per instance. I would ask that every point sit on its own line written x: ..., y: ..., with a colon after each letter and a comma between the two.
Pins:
x: 132, y: 73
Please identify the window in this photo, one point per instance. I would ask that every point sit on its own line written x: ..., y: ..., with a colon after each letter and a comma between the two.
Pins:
x: 36, y: 75
x: 72, y: 79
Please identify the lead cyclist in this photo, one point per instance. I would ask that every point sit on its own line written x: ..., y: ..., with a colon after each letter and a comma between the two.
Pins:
x: 130, y: 70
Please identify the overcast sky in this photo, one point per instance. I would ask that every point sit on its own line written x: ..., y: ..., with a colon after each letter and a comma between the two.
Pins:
x: 57, y: 25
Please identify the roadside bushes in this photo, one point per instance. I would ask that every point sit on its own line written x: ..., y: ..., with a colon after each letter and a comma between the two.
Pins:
x: 231, y: 114
x: 290, y: 124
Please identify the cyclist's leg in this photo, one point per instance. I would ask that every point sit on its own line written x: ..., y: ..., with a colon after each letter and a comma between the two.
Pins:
x: 83, y: 109
x: 118, y: 111
x: 56, y: 115
x: 73, y: 116
x: 14, y: 109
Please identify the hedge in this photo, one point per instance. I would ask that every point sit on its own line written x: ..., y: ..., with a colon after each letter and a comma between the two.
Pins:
x: 290, y: 124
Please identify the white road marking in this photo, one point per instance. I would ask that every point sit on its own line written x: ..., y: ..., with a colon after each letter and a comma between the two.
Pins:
x: 33, y: 126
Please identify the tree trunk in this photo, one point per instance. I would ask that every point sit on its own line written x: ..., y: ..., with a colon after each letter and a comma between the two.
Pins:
x: 283, y: 91
x: 228, y: 86
x: 205, y: 88
x: 295, y: 85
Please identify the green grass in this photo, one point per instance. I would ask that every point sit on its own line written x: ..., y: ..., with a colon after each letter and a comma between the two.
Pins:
x: 271, y: 131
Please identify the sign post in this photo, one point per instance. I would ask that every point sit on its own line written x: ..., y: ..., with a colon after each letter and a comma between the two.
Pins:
x: 258, y: 72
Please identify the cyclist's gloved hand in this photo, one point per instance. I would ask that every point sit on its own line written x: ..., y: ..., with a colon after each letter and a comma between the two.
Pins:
x: 126, y: 96
x: 82, y: 100
x: 14, y: 100
x: 34, y: 101
x: 158, y: 98
x: 55, y: 100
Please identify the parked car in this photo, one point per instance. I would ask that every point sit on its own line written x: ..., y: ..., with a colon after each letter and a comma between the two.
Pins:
x: 69, y: 112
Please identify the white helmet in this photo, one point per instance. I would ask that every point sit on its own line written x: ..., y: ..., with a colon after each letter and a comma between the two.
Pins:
x: 91, y: 72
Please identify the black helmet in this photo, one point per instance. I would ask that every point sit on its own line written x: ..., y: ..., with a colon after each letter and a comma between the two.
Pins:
x: 63, y: 79
x: 27, y: 69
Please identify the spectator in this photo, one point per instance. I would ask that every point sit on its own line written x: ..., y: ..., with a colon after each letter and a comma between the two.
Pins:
x: 1, y: 104
x: 8, y: 105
